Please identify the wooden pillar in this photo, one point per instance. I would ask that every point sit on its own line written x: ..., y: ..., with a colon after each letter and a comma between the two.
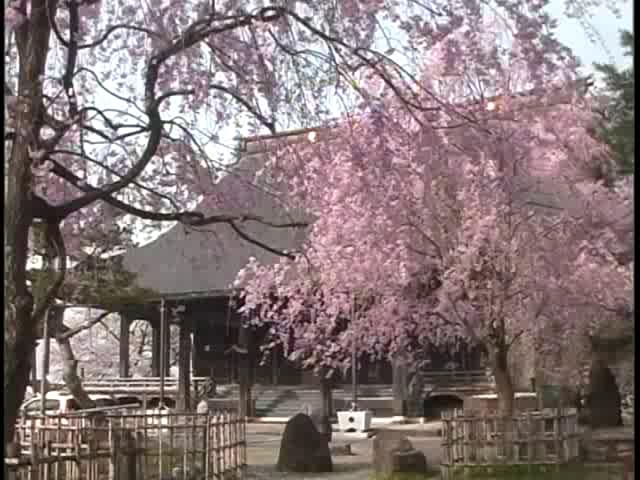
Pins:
x: 184, y: 366
x: 124, y: 364
x: 167, y: 349
x: 194, y: 354
x: 244, y: 376
x: 399, y: 388
x: 155, y: 349
x: 34, y: 368
x: 275, y: 357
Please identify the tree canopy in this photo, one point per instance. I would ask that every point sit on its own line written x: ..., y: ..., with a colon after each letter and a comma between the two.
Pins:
x: 617, y: 126
x: 118, y: 111
x: 477, y: 220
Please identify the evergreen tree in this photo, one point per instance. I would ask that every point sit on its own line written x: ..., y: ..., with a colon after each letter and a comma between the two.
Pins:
x: 617, y: 126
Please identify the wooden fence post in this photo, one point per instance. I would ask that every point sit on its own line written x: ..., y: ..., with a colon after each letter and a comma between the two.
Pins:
x: 124, y: 455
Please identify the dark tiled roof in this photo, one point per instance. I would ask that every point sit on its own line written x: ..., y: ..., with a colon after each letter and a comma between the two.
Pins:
x: 199, y: 262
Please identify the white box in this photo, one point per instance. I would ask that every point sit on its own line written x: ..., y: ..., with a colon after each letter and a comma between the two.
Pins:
x: 356, y: 421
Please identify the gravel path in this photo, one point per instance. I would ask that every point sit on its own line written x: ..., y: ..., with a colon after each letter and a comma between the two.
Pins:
x: 264, y: 444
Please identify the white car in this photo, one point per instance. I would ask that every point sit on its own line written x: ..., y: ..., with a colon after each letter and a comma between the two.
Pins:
x: 60, y: 403
x: 56, y: 403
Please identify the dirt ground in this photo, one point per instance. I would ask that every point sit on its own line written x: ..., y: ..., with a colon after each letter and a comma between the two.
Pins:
x: 264, y: 444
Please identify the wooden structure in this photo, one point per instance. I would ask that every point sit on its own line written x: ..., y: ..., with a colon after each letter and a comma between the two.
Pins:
x: 193, y: 269
x: 129, y: 447
x: 471, y: 440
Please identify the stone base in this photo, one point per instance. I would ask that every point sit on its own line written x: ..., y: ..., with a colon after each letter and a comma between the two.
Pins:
x: 357, y: 421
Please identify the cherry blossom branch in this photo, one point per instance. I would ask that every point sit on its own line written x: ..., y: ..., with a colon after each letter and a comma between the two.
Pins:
x: 190, y: 218
x: 221, y: 88
x: 245, y: 236
x: 192, y: 35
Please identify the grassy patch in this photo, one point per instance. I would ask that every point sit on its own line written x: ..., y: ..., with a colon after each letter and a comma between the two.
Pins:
x: 431, y: 474
x: 540, y: 472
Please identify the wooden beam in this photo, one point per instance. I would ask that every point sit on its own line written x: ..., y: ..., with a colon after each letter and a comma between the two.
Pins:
x: 242, y: 355
x: 124, y: 359
x: 155, y: 350
x: 184, y: 367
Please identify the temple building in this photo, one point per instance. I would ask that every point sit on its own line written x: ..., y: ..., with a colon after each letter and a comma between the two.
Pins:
x: 192, y: 271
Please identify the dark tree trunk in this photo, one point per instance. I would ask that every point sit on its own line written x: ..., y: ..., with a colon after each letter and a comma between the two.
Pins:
x: 321, y: 417
x: 326, y: 397
x: 498, y: 356
x: 504, y: 383
x: 32, y: 40
x: 19, y: 324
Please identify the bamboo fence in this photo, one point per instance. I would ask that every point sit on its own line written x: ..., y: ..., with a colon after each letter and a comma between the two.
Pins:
x: 470, y: 439
x: 129, y: 446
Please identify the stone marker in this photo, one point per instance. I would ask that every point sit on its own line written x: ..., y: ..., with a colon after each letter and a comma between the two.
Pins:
x: 303, y: 449
x: 394, y: 453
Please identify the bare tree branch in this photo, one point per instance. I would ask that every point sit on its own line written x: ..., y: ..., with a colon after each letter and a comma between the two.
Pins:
x: 70, y: 332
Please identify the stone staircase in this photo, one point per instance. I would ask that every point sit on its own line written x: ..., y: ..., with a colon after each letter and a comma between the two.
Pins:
x: 286, y: 401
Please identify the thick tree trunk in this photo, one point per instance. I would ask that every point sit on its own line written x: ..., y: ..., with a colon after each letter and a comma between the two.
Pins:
x: 32, y: 40
x: 504, y: 383
x: 505, y: 391
x: 19, y: 325
x: 322, y: 416
x: 326, y: 397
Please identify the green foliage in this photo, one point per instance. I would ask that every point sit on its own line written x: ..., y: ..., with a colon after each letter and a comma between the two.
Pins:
x: 98, y: 281
x: 539, y: 472
x: 431, y: 474
x: 617, y: 127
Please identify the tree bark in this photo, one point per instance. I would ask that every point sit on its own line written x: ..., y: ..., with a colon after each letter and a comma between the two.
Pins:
x: 504, y: 388
x: 504, y: 383
x: 326, y: 397
x: 70, y: 374
x: 32, y: 40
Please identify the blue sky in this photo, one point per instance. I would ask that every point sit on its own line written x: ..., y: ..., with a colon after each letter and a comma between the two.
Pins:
x: 572, y: 34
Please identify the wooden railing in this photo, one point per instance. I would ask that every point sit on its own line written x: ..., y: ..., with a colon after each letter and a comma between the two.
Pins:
x: 530, y: 438
x: 128, y: 385
x: 129, y: 446
x: 456, y: 378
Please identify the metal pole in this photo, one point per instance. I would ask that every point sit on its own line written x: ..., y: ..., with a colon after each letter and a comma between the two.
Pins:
x: 354, y: 378
x: 163, y: 347
x: 45, y: 361
x: 354, y: 360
